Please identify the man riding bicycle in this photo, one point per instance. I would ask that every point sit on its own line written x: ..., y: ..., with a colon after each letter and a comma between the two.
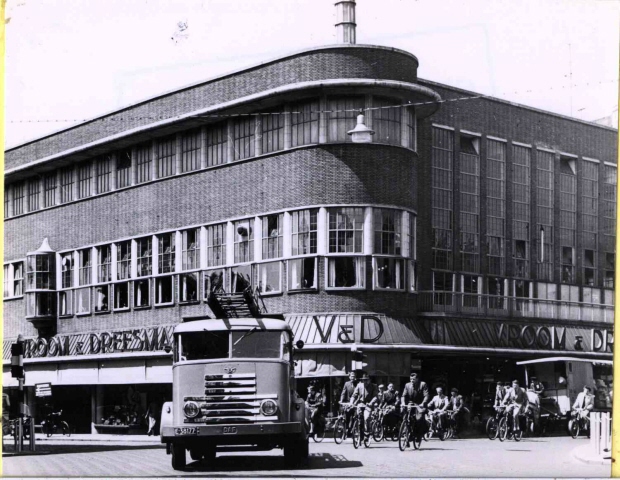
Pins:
x: 366, y: 393
x: 456, y: 405
x: 500, y: 393
x: 315, y: 403
x: 584, y: 403
x: 345, y: 397
x: 439, y: 405
x: 516, y: 398
x: 390, y: 399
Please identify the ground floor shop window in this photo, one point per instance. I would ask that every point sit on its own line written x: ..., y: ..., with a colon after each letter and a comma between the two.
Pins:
x: 141, y: 293
x: 302, y: 274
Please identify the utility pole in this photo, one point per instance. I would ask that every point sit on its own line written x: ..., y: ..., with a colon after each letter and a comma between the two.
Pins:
x: 17, y: 371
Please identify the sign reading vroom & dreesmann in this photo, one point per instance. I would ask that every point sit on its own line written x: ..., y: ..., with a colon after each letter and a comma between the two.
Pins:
x: 135, y: 340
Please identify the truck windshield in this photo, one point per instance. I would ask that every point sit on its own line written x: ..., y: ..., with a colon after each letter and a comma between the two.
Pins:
x: 209, y: 345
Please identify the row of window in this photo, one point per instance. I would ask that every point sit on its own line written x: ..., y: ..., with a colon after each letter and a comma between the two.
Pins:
x: 467, y: 234
x: 237, y: 139
x: 332, y: 231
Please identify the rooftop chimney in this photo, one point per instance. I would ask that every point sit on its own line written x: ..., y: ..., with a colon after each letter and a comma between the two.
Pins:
x: 345, y: 16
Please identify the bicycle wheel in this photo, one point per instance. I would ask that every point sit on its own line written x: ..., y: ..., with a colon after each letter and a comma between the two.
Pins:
x: 366, y: 440
x: 377, y: 431
x: 356, y: 434
x: 502, y: 429
x: 48, y: 429
x: 491, y: 428
x: 517, y: 434
x: 319, y: 436
x: 403, y: 436
x: 65, y: 428
x: 340, y: 431
x: 573, y: 427
x: 395, y: 430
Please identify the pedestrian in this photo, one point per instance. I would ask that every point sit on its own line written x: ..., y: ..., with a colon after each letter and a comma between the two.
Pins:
x: 152, y: 415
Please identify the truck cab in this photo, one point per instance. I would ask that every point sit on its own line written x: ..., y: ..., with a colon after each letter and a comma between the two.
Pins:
x: 233, y: 388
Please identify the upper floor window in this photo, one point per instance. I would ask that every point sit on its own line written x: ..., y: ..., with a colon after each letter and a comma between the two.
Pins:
x: 84, y: 180
x: 305, y: 123
x: 244, y: 241
x: 66, y: 184
x: 84, y: 265
x: 244, y: 135
x: 144, y: 161
x: 103, y: 173
x: 123, y: 260
x: 40, y: 272
x: 216, y: 245
x: 104, y: 263
x: 13, y: 280
x: 387, y: 231
x: 49, y: 190
x: 190, y: 151
x: 386, y: 117
x: 18, y: 198
x: 66, y: 269
x: 166, y: 157
x: 346, y: 229
x: 7, y: 201
x: 272, y: 236
x: 304, y: 231
x: 166, y: 252
x: 342, y: 117
x: 34, y: 189
x: 217, y: 144
x: 272, y: 131
x: 123, y: 168
x: 190, y: 240
x: 6, y: 282
x: 144, y: 256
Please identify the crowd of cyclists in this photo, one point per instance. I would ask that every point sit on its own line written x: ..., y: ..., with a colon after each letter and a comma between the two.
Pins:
x: 364, y: 401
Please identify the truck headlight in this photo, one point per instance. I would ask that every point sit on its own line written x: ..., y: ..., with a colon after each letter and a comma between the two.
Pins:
x: 268, y: 407
x: 191, y: 409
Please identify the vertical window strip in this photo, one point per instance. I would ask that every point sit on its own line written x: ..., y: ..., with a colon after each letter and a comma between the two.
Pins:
x: 386, y: 118
x: 144, y: 256
x: 521, y: 210
x: 304, y: 231
x: 272, y: 236
x: 190, y: 254
x: 18, y: 279
x: 66, y: 184
x: 104, y: 262
x: 216, y: 245
x: 143, y: 163
x: 342, y: 117
x: 190, y: 151
x: 7, y: 292
x: 545, y: 206
x: 442, y: 197
x: 66, y: 267
x: 567, y: 229
x: 84, y: 180
x: 411, y: 126
x: 166, y: 253
x: 610, y: 179
x: 7, y: 201
x: 49, y: 190
x: 166, y: 156
x: 123, y: 168
x: 305, y: 123
x: 244, y: 241
x: 103, y: 172
x: 244, y: 137
x: 85, y: 267
x: 217, y: 144
x: 388, y: 232
x: 34, y: 189
x: 496, y: 206
x: 123, y: 260
x: 470, y: 204
x: 272, y: 131
x: 18, y: 198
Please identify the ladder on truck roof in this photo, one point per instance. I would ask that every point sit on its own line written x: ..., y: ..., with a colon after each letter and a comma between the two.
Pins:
x: 245, y: 304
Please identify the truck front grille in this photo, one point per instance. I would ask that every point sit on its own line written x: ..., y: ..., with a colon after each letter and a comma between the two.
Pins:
x: 231, y: 398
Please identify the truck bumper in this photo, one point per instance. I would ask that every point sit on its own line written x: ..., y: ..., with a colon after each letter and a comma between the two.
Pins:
x: 174, y: 433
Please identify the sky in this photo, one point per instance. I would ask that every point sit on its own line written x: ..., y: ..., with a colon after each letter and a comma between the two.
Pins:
x: 71, y: 60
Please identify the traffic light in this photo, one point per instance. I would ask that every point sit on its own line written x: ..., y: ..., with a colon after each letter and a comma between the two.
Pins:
x: 358, y: 360
x: 17, y: 360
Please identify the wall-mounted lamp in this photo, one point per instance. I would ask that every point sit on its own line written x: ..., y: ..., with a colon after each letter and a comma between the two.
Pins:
x: 361, y: 133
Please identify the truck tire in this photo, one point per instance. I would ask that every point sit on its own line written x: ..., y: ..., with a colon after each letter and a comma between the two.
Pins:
x: 178, y: 457
x: 195, y: 454
x: 296, y: 451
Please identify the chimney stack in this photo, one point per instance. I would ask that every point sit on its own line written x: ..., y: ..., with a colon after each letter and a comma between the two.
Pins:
x: 345, y: 16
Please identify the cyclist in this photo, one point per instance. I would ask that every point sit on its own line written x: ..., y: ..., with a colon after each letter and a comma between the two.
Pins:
x: 517, y: 398
x: 314, y: 402
x: 345, y: 397
x: 390, y: 399
x: 537, y: 386
x: 533, y: 409
x: 456, y: 405
x: 439, y: 405
x: 584, y: 402
x: 500, y: 393
x: 416, y: 391
x: 366, y: 393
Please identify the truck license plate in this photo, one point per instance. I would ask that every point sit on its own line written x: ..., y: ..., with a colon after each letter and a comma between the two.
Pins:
x: 230, y: 430
x: 186, y: 431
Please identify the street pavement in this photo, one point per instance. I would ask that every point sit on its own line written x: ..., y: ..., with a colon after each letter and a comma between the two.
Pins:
x: 118, y: 456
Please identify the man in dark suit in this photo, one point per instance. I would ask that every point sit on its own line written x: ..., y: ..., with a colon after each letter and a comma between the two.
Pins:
x: 415, y: 391
x: 345, y: 397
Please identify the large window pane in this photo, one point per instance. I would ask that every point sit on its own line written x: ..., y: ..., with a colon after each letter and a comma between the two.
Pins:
x: 346, y: 272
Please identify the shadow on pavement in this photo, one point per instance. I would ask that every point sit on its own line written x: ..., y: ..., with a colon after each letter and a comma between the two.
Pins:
x: 47, y: 449
x: 231, y: 464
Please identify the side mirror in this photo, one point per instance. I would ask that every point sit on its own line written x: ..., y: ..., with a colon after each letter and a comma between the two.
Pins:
x: 299, y: 344
x: 167, y: 348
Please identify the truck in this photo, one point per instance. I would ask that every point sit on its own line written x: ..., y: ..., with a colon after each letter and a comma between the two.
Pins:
x: 233, y: 389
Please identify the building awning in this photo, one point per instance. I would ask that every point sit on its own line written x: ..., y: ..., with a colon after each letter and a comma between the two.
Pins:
x: 566, y: 359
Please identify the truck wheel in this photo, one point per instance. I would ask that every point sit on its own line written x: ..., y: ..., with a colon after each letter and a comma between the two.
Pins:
x: 195, y: 454
x: 209, y: 453
x: 178, y: 456
x: 296, y: 451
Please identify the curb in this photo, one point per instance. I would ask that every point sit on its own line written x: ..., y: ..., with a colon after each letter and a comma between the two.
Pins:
x: 584, y: 454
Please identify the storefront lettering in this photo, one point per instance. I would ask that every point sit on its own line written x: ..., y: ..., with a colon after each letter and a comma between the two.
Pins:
x: 347, y: 333
x: 145, y: 339
x: 602, y: 341
x: 528, y: 336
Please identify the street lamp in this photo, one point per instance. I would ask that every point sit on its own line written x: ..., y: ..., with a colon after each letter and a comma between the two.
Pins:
x: 361, y: 133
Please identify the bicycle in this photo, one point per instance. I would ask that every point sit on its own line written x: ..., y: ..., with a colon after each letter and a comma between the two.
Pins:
x: 358, y: 432
x: 340, y: 424
x: 410, y: 431
x: 432, y: 420
x: 450, y: 424
x: 376, y: 424
x: 506, y: 429
x: 577, y: 423
x: 381, y: 430
x: 53, y: 422
x: 493, y: 422
x: 26, y: 427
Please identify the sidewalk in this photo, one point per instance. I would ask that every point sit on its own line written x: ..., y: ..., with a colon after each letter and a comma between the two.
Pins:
x: 584, y: 453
